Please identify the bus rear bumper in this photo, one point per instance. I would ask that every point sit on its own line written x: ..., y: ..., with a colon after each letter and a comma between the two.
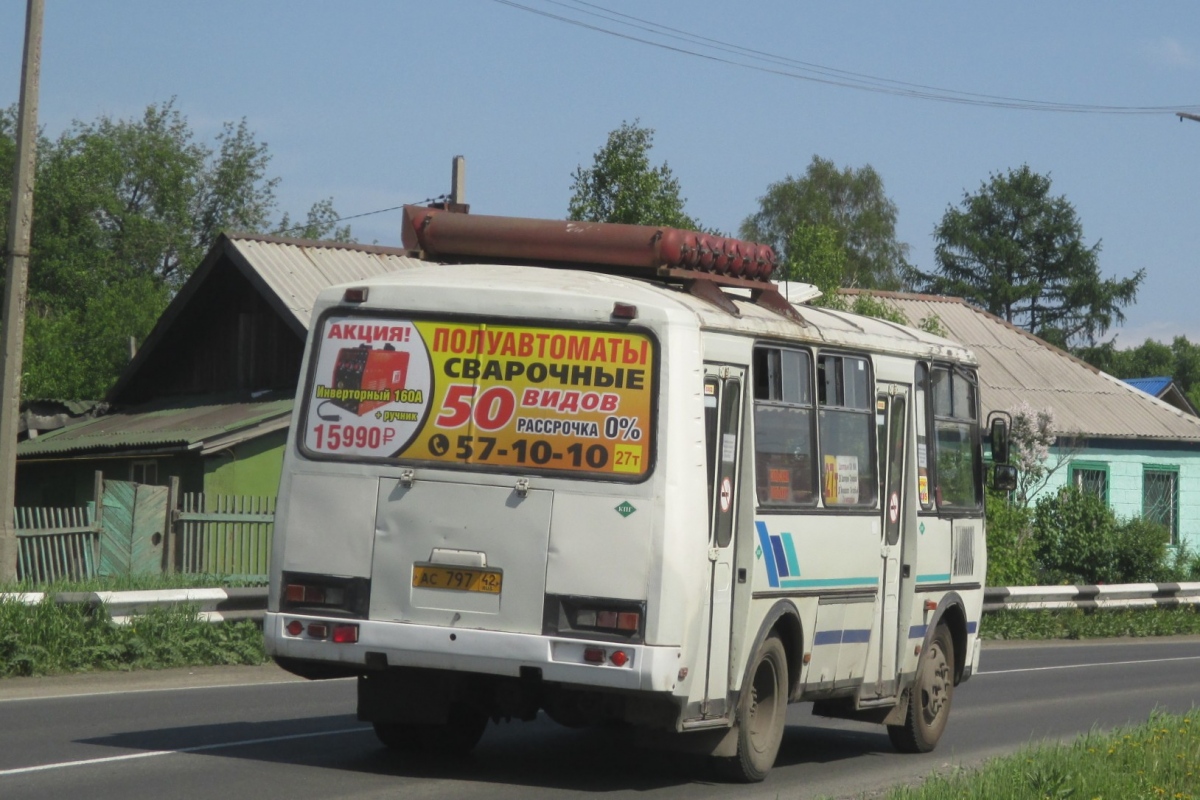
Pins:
x: 562, y: 660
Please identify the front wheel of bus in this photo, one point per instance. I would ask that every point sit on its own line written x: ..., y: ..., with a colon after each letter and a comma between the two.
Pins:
x: 760, y: 716
x: 459, y: 734
x: 932, y: 691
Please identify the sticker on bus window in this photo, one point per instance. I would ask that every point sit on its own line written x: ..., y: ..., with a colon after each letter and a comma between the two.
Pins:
x: 482, y: 394
x: 840, y: 486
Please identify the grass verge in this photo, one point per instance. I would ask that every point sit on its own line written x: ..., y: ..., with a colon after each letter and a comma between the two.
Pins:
x: 48, y: 638
x: 1077, y: 623
x: 130, y: 583
x: 1160, y: 758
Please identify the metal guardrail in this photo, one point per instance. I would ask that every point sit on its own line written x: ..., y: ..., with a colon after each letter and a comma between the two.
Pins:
x: 214, y: 605
x: 220, y: 605
x: 1123, y: 595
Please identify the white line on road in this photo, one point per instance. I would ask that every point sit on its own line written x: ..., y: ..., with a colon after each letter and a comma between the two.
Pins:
x: 76, y: 695
x: 1084, y: 666
x: 196, y: 749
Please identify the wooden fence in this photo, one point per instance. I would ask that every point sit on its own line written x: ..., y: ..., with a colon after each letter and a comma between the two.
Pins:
x: 57, y: 544
x: 225, y: 534
x: 205, y: 533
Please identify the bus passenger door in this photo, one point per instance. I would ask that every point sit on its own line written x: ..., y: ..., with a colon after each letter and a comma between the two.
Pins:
x: 722, y: 424
x: 892, y: 417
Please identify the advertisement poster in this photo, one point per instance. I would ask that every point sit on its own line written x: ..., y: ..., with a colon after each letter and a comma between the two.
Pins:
x: 841, y: 480
x: 476, y: 393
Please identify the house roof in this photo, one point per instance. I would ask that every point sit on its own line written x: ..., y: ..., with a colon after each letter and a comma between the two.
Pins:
x: 1151, y: 386
x: 188, y: 424
x: 1016, y: 366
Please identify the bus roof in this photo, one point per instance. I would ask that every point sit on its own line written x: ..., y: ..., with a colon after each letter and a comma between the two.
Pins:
x: 515, y: 290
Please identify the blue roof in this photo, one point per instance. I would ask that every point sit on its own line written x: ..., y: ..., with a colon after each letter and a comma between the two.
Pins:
x: 1151, y: 386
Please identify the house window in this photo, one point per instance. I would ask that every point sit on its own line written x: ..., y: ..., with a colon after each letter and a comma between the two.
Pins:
x: 1160, y: 498
x: 783, y: 420
x: 1090, y: 478
x: 144, y: 472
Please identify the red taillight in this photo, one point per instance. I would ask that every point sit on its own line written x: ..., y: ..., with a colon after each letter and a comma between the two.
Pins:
x: 594, y: 655
x: 628, y: 621
x: 619, y: 658
x: 318, y: 630
x: 295, y: 593
x: 357, y: 294
x: 345, y: 634
x: 295, y: 627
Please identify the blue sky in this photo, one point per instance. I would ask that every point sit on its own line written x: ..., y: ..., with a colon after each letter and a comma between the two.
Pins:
x: 367, y: 102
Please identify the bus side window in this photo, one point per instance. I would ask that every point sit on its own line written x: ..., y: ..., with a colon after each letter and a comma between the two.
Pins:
x: 957, y: 472
x: 923, y: 477
x: 783, y: 435
x: 847, y: 428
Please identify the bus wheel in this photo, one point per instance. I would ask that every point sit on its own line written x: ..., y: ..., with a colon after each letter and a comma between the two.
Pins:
x: 929, y: 705
x: 458, y: 735
x: 760, y: 716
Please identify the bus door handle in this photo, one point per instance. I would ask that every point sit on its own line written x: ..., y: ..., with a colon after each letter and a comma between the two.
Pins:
x: 713, y: 553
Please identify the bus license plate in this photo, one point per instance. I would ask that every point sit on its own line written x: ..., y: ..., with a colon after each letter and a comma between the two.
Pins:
x: 428, y: 576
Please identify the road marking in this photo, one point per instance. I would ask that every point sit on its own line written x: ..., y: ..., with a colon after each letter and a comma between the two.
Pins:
x: 196, y: 749
x: 285, y: 682
x: 1082, y: 666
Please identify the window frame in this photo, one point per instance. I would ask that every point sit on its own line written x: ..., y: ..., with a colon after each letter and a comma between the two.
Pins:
x: 868, y: 411
x: 1091, y: 466
x: 752, y: 385
x: 971, y: 375
x: 1164, y: 469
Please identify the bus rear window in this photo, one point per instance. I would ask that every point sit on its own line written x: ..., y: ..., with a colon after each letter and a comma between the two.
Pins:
x: 509, y: 397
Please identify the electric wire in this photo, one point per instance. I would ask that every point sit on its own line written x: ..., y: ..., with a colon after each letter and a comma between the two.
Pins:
x: 808, y: 71
x: 424, y: 202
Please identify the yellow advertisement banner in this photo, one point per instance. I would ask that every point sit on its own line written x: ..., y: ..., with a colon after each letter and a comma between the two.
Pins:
x: 475, y: 393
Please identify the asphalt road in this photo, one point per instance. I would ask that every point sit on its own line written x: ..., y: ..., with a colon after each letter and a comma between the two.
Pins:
x: 256, y: 733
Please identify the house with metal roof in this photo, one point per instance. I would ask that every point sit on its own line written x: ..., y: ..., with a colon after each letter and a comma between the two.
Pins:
x: 208, y: 397
x: 1137, y: 451
x: 1164, y: 388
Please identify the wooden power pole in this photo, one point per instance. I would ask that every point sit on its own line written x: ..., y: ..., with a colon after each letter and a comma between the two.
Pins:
x: 20, y: 224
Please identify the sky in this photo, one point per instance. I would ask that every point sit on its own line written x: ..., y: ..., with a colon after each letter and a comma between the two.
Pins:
x: 367, y: 103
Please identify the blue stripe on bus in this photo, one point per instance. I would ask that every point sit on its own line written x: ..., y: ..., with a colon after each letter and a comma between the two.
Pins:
x: 780, y: 559
x: 917, y: 631
x: 972, y: 627
x: 764, y: 540
x: 854, y: 636
x: 943, y: 577
x: 792, y: 562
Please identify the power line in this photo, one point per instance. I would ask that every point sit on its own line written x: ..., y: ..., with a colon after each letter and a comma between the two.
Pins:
x: 426, y: 201
x: 801, y: 70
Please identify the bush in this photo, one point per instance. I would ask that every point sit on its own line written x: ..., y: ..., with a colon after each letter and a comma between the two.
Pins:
x: 1079, y: 540
x: 1010, y: 543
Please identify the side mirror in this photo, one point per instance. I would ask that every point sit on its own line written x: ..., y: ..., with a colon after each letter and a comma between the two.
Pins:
x: 1004, y: 477
x: 999, y: 435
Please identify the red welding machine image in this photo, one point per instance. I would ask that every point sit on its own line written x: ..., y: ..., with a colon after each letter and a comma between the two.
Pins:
x: 368, y: 370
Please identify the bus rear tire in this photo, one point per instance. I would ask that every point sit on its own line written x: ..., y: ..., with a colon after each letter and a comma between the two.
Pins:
x: 458, y: 735
x: 761, y: 715
x: 932, y: 692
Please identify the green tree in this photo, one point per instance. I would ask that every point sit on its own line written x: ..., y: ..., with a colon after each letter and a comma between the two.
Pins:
x: 124, y: 211
x: 622, y: 186
x: 850, y: 202
x: 1017, y: 251
x: 1180, y: 361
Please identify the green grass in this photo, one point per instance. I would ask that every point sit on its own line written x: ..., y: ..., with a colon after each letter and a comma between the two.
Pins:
x: 48, y: 638
x: 1159, y: 759
x: 1089, y: 624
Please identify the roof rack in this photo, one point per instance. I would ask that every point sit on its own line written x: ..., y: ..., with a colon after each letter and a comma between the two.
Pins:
x: 702, y: 263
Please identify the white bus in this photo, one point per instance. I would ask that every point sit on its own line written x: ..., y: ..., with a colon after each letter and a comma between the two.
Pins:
x: 609, y: 473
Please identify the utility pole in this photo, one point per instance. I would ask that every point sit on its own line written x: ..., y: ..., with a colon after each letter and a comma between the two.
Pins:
x: 20, y: 224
